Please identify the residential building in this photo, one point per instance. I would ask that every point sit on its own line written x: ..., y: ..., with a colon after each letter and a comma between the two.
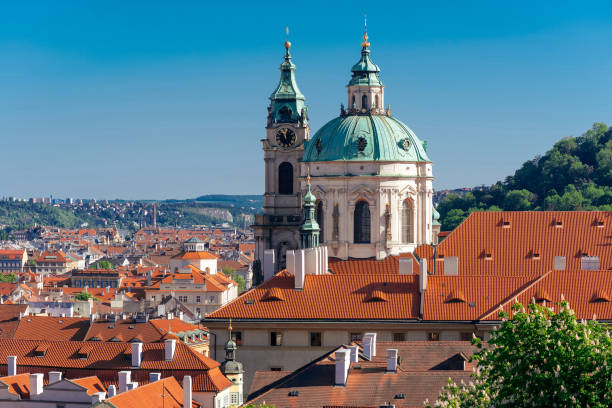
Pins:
x: 13, y: 260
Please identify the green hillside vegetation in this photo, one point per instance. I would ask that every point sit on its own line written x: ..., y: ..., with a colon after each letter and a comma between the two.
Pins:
x: 23, y: 214
x: 576, y: 174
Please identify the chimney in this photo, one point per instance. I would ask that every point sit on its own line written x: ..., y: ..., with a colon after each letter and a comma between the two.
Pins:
x: 370, y: 338
x: 187, y: 394
x: 112, y: 390
x: 290, y: 261
x: 342, y: 366
x: 170, y: 315
x: 12, y: 365
x: 36, y: 384
x: 55, y: 376
x: 92, y: 318
x: 20, y: 315
x: 132, y: 386
x: 149, y: 276
x: 269, y: 264
x: 312, y: 261
x: 170, y: 346
x: 391, y: 360
x: 300, y: 269
x: 354, y: 353
x: 154, y: 377
x: 422, y: 284
x: 98, y: 397
x: 423, y: 275
x: 180, y: 315
x: 124, y: 379
x: 136, y: 354
x: 405, y: 266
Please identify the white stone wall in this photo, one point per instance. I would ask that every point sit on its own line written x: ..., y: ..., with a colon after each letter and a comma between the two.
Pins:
x: 379, y: 184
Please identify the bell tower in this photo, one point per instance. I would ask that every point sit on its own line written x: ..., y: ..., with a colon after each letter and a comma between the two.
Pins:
x: 286, y: 130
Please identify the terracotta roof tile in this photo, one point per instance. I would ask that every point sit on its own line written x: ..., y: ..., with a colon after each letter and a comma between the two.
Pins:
x: 93, y: 384
x: 18, y: 384
x: 166, y: 393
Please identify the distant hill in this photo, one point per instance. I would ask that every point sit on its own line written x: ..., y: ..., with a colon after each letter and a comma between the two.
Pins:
x: 576, y: 174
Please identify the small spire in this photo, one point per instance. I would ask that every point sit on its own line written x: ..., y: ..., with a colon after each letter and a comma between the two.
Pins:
x: 287, y: 42
x: 230, y: 327
x: 308, y: 177
x: 365, y: 43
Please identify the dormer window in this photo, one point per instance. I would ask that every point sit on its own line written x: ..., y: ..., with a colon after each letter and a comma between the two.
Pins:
x: 599, y: 223
x: 488, y: 255
x: 559, y: 223
x: 506, y: 223
x: 535, y: 255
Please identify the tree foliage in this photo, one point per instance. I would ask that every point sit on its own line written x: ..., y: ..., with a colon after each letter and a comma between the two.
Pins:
x: 8, y: 277
x: 236, y: 277
x: 85, y: 296
x: 576, y: 174
x: 540, y: 358
x: 102, y: 264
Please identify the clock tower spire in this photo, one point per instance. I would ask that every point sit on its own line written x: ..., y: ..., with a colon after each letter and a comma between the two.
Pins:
x: 278, y: 228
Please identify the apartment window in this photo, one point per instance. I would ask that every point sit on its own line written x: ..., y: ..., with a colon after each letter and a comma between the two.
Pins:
x: 399, y: 336
x: 198, y: 311
x: 315, y: 339
x: 153, y: 297
x: 466, y: 336
x: 198, y: 299
x: 237, y: 336
x: 234, y: 398
x: 356, y: 336
x: 433, y: 336
x: 276, y: 338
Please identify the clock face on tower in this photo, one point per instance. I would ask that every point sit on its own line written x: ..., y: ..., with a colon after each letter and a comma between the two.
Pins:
x: 285, y: 137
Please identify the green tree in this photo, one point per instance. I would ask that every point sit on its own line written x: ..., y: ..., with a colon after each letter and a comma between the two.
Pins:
x: 518, y: 200
x: 85, y: 296
x: 103, y: 265
x: 8, y: 277
x: 539, y: 358
x: 236, y: 277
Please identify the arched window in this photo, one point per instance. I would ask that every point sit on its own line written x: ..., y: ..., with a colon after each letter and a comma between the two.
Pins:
x: 353, y: 102
x: 364, y: 102
x: 362, y: 223
x: 285, y: 178
x: 376, y: 101
x: 319, y: 218
x: 407, y: 223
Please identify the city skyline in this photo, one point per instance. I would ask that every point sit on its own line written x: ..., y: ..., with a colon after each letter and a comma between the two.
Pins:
x: 148, y: 101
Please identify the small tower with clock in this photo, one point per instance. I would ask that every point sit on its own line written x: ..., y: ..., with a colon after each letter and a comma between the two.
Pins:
x: 286, y: 130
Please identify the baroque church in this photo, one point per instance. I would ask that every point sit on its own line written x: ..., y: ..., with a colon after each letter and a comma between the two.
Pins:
x: 369, y: 174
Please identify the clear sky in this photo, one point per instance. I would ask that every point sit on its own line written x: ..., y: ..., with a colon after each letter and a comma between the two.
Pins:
x: 155, y: 100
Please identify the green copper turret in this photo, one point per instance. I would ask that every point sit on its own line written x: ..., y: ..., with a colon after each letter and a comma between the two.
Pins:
x: 309, y: 230
x: 287, y: 104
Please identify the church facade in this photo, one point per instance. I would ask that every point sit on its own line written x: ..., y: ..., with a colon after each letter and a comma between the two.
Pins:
x: 370, y: 173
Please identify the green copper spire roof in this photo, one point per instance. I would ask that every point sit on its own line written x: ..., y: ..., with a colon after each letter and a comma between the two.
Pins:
x: 287, y: 102
x: 309, y: 230
x: 365, y: 72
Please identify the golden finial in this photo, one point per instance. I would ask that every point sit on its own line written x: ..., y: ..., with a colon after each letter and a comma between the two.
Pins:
x: 230, y: 326
x: 287, y: 42
x: 365, y: 43
x: 308, y: 175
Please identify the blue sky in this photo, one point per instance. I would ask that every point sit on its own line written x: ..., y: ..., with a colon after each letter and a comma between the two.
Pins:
x: 154, y: 100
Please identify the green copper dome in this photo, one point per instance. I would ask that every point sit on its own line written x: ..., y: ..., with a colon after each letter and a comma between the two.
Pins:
x: 365, y: 138
x: 365, y: 72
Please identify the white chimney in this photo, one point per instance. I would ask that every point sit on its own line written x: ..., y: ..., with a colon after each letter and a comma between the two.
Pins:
x: 170, y: 315
x: 187, y: 393
x: 300, y: 270
x: 112, y: 390
x: 311, y: 260
x: 12, y: 365
x: 342, y: 366
x: 124, y: 379
x: 98, y: 397
x: 354, y: 353
x: 372, y: 337
x: 181, y: 315
x: 423, y: 275
x: 170, y: 346
x: 405, y: 266
x: 136, y: 354
x: 269, y: 264
x: 290, y: 261
x: 132, y: 386
x: 392, y: 360
x: 36, y: 384
x: 154, y: 377
x: 55, y: 376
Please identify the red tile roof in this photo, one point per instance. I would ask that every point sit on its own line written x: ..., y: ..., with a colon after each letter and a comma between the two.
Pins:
x: 104, y: 359
x: 93, y: 384
x: 512, y: 246
x: 194, y: 255
x: 327, y: 297
x: 48, y: 327
x: 18, y: 384
x: 166, y: 393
